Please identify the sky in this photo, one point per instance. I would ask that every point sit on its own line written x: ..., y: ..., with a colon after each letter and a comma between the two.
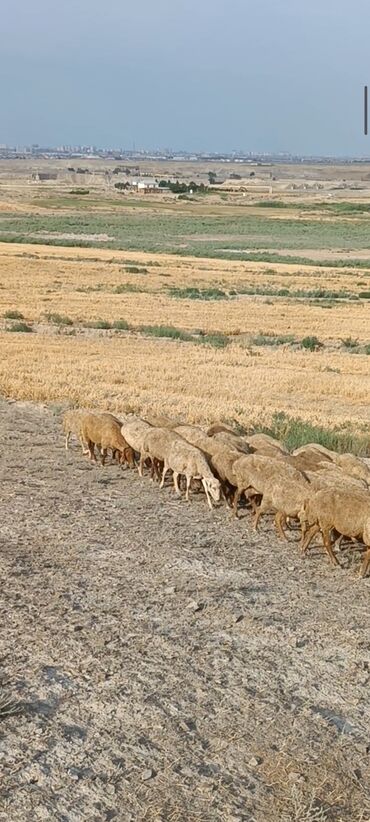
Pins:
x: 196, y: 75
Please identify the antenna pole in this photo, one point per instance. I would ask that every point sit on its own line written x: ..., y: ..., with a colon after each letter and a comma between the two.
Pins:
x: 365, y: 110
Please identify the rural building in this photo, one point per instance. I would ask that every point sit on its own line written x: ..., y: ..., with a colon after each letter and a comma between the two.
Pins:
x: 43, y: 176
x: 147, y: 186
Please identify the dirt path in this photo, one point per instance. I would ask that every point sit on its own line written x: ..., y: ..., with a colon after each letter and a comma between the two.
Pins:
x: 137, y: 706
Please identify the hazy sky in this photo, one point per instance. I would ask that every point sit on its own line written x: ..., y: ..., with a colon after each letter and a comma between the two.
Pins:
x: 257, y: 75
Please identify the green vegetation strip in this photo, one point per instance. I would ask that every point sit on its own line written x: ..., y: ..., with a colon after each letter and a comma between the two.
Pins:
x: 242, y: 236
x: 294, y: 432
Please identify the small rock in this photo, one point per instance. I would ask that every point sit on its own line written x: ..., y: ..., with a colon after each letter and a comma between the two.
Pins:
x: 195, y: 606
x: 295, y: 776
x: 238, y: 617
x: 170, y: 590
x: 148, y: 774
x: 255, y: 761
x: 291, y: 567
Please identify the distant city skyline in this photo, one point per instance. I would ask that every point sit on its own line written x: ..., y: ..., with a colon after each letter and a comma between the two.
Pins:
x: 277, y: 76
x: 112, y: 152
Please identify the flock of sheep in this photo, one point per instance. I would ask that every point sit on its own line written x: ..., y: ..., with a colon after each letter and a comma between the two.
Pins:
x: 325, y: 491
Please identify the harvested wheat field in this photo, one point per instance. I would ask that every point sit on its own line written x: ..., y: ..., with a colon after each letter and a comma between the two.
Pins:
x: 100, y: 325
x: 168, y: 663
x: 161, y: 662
x: 197, y: 383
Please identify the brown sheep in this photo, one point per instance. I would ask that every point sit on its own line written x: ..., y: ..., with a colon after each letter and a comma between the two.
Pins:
x: 72, y: 425
x: 284, y: 497
x: 317, y: 448
x: 220, y: 428
x: 334, y: 509
x: 104, y: 432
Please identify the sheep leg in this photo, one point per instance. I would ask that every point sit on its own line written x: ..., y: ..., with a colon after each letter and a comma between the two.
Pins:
x: 103, y: 455
x: 257, y: 517
x: 153, y: 470
x: 237, y: 495
x: 176, y: 483
x: 85, y: 450
x: 188, y: 483
x: 263, y: 507
x: 365, y: 564
x: 67, y: 440
x: 157, y: 469
x: 226, y: 494
x: 280, y: 521
x: 308, y: 536
x: 164, y: 472
x: 328, y: 546
x: 207, y: 493
x: 141, y: 464
x: 91, y: 447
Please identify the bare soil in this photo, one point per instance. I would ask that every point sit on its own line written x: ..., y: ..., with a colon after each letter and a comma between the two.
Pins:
x: 169, y: 663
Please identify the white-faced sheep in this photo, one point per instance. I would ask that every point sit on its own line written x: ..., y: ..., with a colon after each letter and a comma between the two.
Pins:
x: 334, y: 509
x: 100, y: 430
x: 222, y: 462
x: 187, y: 460
x: 155, y: 445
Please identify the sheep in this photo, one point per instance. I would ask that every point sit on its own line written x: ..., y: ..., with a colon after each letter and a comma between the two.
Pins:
x: 334, y: 508
x: 160, y: 421
x: 155, y: 444
x: 233, y: 441
x: 255, y: 471
x: 309, y: 461
x: 193, y: 434
x: 259, y: 441
x: 267, y: 450
x: 220, y: 428
x: 72, y: 425
x: 101, y: 430
x: 222, y: 462
x: 317, y: 448
x: 183, y: 458
x: 353, y: 466
x: 285, y: 497
x: 134, y: 431
x: 334, y: 478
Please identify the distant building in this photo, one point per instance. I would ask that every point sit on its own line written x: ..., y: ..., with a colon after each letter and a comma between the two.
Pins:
x: 147, y: 186
x: 43, y: 176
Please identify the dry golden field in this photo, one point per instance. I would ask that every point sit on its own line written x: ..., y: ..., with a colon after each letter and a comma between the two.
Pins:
x: 253, y: 364
x: 133, y: 371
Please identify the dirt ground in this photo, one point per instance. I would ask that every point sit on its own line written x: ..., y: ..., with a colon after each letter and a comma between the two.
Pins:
x: 169, y: 663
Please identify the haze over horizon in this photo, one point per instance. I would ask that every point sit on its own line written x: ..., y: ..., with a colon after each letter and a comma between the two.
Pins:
x: 214, y: 76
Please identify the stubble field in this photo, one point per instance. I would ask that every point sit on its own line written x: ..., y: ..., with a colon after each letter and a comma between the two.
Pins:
x: 169, y: 664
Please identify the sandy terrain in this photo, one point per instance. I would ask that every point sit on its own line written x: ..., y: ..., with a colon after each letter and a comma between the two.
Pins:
x: 170, y: 664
